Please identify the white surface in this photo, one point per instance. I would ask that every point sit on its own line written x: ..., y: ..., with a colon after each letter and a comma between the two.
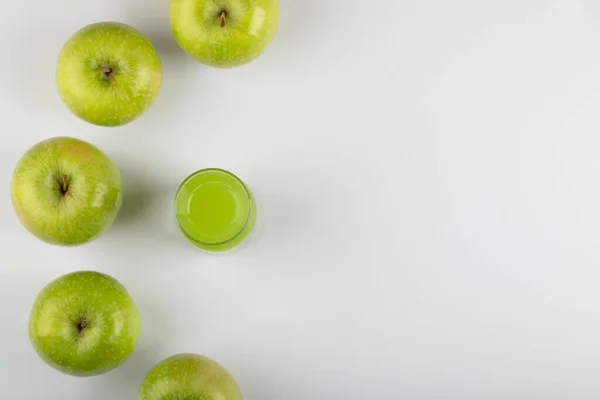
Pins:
x: 427, y: 173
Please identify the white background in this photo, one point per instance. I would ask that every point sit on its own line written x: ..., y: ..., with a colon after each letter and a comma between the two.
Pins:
x: 427, y: 174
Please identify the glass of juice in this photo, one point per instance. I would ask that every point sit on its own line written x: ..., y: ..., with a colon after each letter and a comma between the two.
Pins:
x: 214, y: 209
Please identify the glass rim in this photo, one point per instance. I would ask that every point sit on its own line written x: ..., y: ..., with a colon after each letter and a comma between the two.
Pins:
x: 249, y: 213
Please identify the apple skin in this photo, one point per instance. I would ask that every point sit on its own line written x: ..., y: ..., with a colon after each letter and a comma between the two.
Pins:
x: 108, y: 74
x: 89, y: 206
x: 189, y: 377
x: 224, y: 33
x: 84, y: 323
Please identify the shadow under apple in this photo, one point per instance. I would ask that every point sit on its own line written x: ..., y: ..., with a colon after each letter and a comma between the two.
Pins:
x: 126, y: 379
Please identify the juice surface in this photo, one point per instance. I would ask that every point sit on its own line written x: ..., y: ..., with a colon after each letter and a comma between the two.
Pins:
x: 214, y: 209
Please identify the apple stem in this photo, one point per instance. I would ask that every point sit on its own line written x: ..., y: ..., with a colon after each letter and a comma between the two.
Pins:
x: 65, y: 186
x: 107, y: 72
x: 82, y: 325
x: 222, y: 18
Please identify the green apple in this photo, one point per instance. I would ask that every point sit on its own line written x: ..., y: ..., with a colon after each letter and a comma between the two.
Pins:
x: 84, y: 323
x: 189, y: 377
x: 108, y: 74
x: 66, y: 191
x: 224, y: 33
